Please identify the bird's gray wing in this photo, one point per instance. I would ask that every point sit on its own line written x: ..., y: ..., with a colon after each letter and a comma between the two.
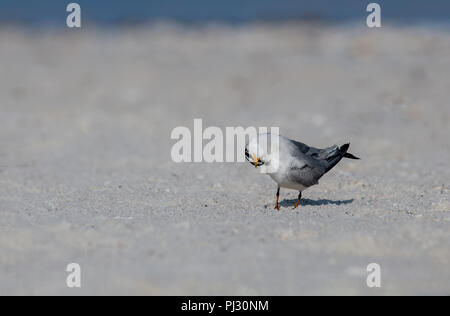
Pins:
x: 306, y: 175
x: 316, y: 153
x: 305, y: 170
x: 310, y: 163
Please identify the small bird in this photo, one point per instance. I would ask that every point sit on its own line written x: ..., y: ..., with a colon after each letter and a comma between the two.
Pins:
x: 292, y: 164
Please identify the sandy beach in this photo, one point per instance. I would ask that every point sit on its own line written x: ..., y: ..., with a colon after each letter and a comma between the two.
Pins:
x: 86, y: 174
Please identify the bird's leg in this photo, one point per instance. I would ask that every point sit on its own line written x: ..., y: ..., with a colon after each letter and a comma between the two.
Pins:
x: 298, y: 199
x: 277, y: 207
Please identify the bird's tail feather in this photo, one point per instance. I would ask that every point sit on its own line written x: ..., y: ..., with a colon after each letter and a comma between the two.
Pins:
x: 344, y: 149
x: 337, y: 155
x: 351, y: 156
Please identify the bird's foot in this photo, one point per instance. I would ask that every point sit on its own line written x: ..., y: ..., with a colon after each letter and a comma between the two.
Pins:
x: 277, y: 207
x: 298, y: 200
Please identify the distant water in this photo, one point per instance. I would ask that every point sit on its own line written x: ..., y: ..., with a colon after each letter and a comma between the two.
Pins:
x: 119, y: 12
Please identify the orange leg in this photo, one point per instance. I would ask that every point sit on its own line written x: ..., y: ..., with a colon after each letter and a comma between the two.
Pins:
x: 298, y: 200
x: 277, y: 207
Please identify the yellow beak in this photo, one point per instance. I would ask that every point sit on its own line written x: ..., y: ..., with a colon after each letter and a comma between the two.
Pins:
x: 255, y: 160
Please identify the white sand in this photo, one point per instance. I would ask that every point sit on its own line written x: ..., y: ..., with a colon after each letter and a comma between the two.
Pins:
x: 86, y: 174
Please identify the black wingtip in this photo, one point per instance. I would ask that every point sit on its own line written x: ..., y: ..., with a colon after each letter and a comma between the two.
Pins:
x: 344, y: 148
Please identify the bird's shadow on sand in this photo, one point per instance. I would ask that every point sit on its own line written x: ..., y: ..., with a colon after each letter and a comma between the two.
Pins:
x: 305, y: 202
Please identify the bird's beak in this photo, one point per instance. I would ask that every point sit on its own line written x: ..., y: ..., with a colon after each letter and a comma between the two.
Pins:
x: 255, y: 160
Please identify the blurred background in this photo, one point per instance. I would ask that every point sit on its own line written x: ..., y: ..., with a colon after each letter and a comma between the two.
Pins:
x: 86, y: 174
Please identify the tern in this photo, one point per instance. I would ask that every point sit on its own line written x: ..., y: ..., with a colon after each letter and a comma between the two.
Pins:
x: 292, y: 164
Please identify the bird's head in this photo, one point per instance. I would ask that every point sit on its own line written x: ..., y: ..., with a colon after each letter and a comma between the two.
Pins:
x: 256, y: 151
